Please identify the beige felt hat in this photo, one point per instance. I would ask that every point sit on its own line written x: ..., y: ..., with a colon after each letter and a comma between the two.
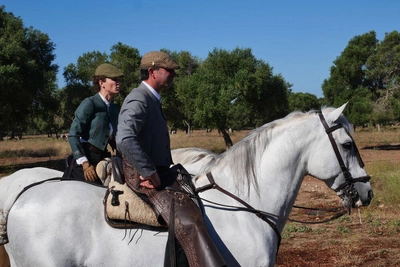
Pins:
x: 158, y: 59
x: 108, y: 70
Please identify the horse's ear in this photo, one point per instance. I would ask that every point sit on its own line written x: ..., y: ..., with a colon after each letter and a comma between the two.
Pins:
x: 334, y: 115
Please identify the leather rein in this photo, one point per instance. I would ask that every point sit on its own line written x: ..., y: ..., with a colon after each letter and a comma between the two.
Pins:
x: 345, y: 190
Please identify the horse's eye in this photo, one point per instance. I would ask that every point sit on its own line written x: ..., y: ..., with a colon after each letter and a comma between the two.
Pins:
x: 347, y: 145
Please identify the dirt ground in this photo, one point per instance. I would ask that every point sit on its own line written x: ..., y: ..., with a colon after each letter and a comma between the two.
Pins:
x: 327, y: 244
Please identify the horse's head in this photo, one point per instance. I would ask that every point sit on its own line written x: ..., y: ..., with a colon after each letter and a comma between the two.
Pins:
x: 335, y: 159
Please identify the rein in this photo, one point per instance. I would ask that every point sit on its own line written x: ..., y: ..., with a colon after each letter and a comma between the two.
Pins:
x: 260, y: 214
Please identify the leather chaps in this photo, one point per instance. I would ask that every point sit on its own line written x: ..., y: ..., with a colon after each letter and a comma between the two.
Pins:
x: 188, y: 224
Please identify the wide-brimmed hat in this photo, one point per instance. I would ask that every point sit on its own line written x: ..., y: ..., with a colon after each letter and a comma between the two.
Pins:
x: 108, y: 70
x: 158, y: 59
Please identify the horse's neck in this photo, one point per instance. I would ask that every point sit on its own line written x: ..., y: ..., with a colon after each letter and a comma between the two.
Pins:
x: 279, y: 171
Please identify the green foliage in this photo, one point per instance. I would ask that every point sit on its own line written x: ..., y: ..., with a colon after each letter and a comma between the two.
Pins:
x: 303, y: 102
x: 320, y: 230
x: 232, y: 89
x: 304, y: 229
x: 127, y: 59
x: 293, y: 228
x: 289, y: 228
x: 360, y: 106
x: 367, y: 75
x: 343, y: 229
x: 27, y: 75
x: 178, y: 99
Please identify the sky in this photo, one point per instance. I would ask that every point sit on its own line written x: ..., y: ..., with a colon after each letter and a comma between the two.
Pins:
x: 300, y: 39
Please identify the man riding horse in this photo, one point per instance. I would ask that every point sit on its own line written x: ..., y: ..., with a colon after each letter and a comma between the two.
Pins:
x: 143, y: 140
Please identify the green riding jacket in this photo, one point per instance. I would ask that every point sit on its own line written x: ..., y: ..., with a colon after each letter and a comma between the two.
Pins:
x: 92, y: 123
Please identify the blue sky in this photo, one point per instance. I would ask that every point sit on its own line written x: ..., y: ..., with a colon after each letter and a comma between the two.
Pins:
x: 300, y: 39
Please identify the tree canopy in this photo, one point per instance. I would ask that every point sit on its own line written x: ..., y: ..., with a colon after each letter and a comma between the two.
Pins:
x: 366, y: 75
x: 27, y: 74
x: 233, y: 89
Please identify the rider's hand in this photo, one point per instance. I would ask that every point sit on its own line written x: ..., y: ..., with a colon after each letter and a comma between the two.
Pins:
x: 89, y: 172
x: 150, y: 182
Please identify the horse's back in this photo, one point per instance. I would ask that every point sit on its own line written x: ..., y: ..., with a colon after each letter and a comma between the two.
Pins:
x: 12, y: 185
x: 62, y: 224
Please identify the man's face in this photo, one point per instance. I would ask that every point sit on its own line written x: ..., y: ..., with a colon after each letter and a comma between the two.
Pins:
x: 164, y: 77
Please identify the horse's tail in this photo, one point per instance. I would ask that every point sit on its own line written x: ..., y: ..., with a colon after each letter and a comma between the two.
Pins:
x: 3, y: 227
x: 4, y: 259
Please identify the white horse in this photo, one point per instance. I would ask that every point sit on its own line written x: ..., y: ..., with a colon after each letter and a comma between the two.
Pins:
x: 62, y: 224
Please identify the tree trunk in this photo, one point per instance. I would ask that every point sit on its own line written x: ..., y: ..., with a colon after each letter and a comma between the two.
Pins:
x: 227, y: 138
x: 188, y: 128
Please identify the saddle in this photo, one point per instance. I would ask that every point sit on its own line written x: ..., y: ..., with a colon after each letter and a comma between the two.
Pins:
x: 123, y: 207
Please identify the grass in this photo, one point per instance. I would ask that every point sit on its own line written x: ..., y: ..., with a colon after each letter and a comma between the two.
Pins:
x: 370, y: 136
x: 386, y: 183
x: 37, y: 147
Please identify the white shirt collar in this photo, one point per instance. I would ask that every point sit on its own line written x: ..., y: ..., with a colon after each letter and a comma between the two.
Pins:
x: 155, y: 93
x: 105, y: 100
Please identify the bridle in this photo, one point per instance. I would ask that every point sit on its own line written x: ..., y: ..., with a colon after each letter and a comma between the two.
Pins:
x: 346, y: 190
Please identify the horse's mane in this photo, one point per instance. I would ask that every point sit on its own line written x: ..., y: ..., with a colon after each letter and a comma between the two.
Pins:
x: 193, y: 155
x: 244, y: 156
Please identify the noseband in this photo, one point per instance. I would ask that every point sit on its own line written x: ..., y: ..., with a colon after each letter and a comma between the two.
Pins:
x: 346, y: 190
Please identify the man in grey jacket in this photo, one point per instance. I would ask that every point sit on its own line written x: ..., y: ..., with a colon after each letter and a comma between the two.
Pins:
x: 143, y: 140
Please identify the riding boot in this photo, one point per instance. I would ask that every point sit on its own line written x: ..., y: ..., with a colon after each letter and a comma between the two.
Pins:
x: 189, y: 227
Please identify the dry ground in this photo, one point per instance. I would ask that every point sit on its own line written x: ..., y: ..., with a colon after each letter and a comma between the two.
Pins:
x: 340, y: 244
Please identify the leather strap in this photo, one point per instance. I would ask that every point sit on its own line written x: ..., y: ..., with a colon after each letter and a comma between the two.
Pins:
x: 262, y: 216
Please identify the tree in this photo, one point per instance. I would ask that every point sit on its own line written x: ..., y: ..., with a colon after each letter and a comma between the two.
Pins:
x: 178, y: 100
x: 233, y: 87
x: 348, y: 72
x: 303, y: 102
x: 361, y: 106
x: 27, y: 74
x: 367, y: 76
x: 127, y: 59
x: 383, y: 68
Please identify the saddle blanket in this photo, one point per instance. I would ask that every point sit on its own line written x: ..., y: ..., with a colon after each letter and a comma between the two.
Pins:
x: 125, y: 205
